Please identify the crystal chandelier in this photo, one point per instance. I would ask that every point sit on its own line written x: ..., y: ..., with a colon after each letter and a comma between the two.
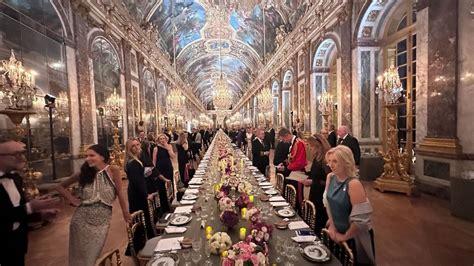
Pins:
x: 265, y: 100
x: 114, y: 105
x: 17, y: 85
x: 390, y: 86
x: 222, y: 97
x: 176, y: 101
x: 326, y: 103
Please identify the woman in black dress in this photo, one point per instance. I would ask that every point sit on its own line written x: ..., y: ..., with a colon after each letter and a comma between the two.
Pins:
x: 183, y: 158
x: 318, y: 146
x: 137, y: 191
x: 162, y: 155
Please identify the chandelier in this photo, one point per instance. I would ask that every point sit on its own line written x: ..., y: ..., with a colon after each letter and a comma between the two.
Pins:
x: 222, y: 97
x: 265, y: 100
x: 390, y: 86
x: 114, y: 105
x: 176, y: 101
x: 17, y: 85
x: 326, y: 103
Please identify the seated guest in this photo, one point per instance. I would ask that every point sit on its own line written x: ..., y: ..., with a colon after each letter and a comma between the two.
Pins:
x: 347, y: 206
x: 260, y: 151
x: 318, y: 146
x: 15, y: 209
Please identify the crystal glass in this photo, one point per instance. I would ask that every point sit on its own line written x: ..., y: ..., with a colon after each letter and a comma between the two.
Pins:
x: 196, y: 257
x: 197, y: 242
x: 186, y: 256
x: 207, y: 251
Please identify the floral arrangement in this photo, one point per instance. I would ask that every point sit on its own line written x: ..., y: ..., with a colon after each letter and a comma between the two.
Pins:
x: 243, y: 201
x: 233, y: 181
x: 254, y: 215
x: 260, y: 233
x: 229, y: 218
x: 243, y: 254
x: 244, y: 187
x: 220, y: 242
x: 226, y: 203
x: 225, y: 189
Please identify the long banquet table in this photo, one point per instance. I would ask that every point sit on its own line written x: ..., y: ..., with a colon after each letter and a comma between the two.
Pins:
x: 208, y: 203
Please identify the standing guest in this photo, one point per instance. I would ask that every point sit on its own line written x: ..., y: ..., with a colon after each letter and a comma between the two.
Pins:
x: 248, y: 138
x: 281, y: 152
x: 347, y: 205
x: 136, y: 191
x: 318, y: 146
x: 332, y: 137
x: 168, y: 134
x: 162, y: 155
x: 271, y: 134
x: 183, y: 158
x: 345, y: 138
x: 100, y: 184
x: 260, y: 151
x: 14, y: 207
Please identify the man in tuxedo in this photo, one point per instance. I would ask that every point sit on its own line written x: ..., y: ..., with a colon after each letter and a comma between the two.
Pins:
x: 332, y: 137
x: 297, y: 153
x: 260, y: 151
x: 14, y: 209
x: 345, y: 138
x: 271, y: 133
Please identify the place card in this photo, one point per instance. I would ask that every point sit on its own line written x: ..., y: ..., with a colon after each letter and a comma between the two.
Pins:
x: 168, y: 244
x: 175, y: 230
x: 279, y: 204
x: 183, y: 209
x: 187, y: 202
x: 192, y: 191
x: 267, y: 187
x: 297, y: 225
x: 266, y: 183
x: 302, y: 239
x: 277, y: 198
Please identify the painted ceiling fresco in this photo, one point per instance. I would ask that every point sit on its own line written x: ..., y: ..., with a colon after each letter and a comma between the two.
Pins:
x: 199, y: 32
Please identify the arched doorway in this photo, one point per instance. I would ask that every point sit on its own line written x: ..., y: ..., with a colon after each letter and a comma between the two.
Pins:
x: 287, y: 113
x: 275, y: 93
x: 326, y: 85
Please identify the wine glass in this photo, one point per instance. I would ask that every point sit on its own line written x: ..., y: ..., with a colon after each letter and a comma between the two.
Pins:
x: 197, y: 242
x: 207, y: 251
x: 198, y: 214
x: 196, y: 257
x: 279, y: 249
x: 186, y: 256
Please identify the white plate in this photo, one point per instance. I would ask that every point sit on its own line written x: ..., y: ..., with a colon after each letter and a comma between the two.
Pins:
x: 189, y: 196
x: 315, y: 253
x: 164, y: 261
x: 180, y: 220
x: 286, y: 212
x: 271, y: 192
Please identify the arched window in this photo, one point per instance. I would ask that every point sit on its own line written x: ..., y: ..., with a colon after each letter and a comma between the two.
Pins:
x: 275, y: 93
x: 106, y: 79
x: 286, y: 99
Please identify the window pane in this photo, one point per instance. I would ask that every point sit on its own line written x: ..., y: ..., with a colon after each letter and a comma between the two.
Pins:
x: 401, y: 46
x: 401, y: 59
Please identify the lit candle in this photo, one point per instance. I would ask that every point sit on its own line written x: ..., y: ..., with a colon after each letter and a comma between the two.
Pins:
x: 251, y: 198
x: 208, y: 229
x: 243, y: 211
x: 243, y: 233
x: 242, y: 163
x: 224, y: 253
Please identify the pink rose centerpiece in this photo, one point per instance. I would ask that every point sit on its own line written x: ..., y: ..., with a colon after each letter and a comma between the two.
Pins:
x: 245, y: 254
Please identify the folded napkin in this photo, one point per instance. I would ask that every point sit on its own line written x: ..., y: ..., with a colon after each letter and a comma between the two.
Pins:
x: 195, y: 182
x: 187, y: 202
x: 267, y: 187
x: 277, y: 198
x: 192, y: 191
x: 265, y: 183
x: 194, y: 186
x: 175, y: 230
x: 297, y: 225
x: 183, y: 209
x: 301, y: 239
x: 279, y: 204
x: 169, y: 244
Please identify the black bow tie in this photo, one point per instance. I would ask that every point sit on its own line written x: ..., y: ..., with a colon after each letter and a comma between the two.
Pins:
x: 8, y: 175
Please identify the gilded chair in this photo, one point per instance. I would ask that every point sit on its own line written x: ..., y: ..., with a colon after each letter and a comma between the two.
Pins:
x: 341, y: 251
x: 108, y: 258
x: 280, y: 180
x: 290, y: 195
x: 141, y: 248
x: 153, y: 206
x: 309, y: 213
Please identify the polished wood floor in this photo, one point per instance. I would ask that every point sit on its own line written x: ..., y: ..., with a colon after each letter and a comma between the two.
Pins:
x: 408, y: 231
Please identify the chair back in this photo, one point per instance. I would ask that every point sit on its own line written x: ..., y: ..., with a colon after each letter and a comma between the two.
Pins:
x: 153, y: 205
x: 341, y: 251
x: 108, y: 258
x: 309, y: 213
x: 280, y: 180
x: 290, y: 195
x: 137, y: 235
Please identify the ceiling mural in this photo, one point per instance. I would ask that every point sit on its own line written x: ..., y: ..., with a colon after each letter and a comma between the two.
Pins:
x: 202, y: 31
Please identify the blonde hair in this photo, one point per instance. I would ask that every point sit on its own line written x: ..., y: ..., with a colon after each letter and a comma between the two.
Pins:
x: 128, y: 153
x: 321, y: 144
x: 160, y: 135
x: 345, y: 157
x: 182, y: 138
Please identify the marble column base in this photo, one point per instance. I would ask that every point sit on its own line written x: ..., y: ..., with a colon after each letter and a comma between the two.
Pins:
x: 439, y: 147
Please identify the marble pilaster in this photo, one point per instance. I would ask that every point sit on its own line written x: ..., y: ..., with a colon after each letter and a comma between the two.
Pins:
x: 127, y: 50
x: 74, y: 103
x: 421, y: 74
x: 83, y: 80
x: 345, y: 104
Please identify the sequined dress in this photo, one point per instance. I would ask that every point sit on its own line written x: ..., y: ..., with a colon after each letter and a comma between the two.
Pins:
x: 91, y: 221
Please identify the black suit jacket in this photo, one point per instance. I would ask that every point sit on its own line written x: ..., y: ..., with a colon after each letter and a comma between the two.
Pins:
x: 353, y: 144
x: 258, y: 160
x: 12, y: 242
x: 332, y: 139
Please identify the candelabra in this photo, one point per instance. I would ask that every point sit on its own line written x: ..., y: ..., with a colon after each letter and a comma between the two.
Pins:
x: 265, y: 100
x: 395, y: 176
x: 114, y: 108
x: 18, y: 92
x: 326, y: 106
